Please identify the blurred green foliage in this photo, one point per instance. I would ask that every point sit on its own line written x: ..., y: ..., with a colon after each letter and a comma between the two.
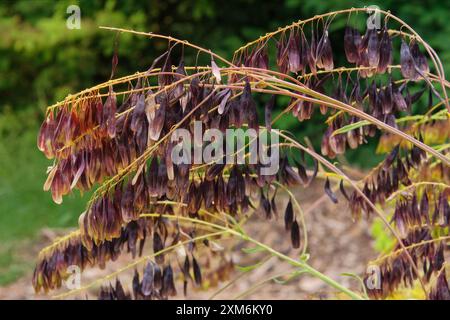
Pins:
x: 41, y: 61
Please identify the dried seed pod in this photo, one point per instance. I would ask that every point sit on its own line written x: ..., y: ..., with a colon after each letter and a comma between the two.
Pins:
x: 157, y: 124
x: 293, y: 53
x: 329, y: 192
x: 373, y: 48
x: 197, y: 272
x: 282, y: 57
x: 407, y: 62
x: 147, y: 280
x: 344, y: 193
x: 288, y: 216
x: 325, y: 52
x: 109, y: 114
x: 136, y: 285
x: 420, y: 60
x: 385, y: 51
x: 158, y: 245
x: 168, y: 285
x: 295, y: 235
x: 215, y: 71
x: 352, y: 39
x: 441, y: 290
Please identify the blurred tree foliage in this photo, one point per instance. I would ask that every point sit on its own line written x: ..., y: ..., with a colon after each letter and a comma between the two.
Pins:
x: 41, y: 61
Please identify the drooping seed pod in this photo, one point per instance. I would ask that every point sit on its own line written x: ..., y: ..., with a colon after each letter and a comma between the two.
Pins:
x: 329, y: 192
x: 407, y: 63
x: 168, y: 284
x: 373, y: 48
x: 288, y: 216
x: 420, y: 60
x: 197, y: 272
x: 293, y: 53
x: 385, y: 51
x: 295, y: 235
x: 147, y: 279
x: 325, y: 52
x: 352, y: 40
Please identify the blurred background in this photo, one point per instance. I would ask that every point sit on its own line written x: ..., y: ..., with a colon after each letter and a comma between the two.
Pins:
x: 41, y: 61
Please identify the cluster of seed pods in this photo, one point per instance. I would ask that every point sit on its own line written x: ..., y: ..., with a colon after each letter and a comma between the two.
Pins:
x: 120, y: 139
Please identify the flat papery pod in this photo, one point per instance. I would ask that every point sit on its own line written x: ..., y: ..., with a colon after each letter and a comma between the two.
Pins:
x: 373, y: 48
x: 152, y: 178
x: 138, y: 114
x: 295, y: 235
x: 293, y: 52
x: 385, y: 51
x: 169, y: 162
x: 261, y: 58
x: 150, y: 107
x: 354, y: 138
x: 306, y: 55
x: 197, y: 272
x: 57, y: 187
x: 291, y: 176
x: 148, y: 277
x: 156, y: 126
x: 391, y: 157
x: 223, y: 97
x: 301, y: 172
x: 288, y: 216
x: 161, y: 186
x: 344, y: 193
x: 168, y: 285
x: 265, y: 206
x: 420, y: 60
x: 329, y: 192
x: 109, y: 113
x: 165, y: 78
x: 399, y: 100
x: 325, y: 148
x: 407, y: 63
x: 387, y: 99
x: 325, y: 53
x: 80, y: 166
x: 282, y: 58
x: 181, y: 72
x: 45, y: 137
x: 441, y: 290
x: 351, y: 49
x: 51, y: 173
x: 216, y: 71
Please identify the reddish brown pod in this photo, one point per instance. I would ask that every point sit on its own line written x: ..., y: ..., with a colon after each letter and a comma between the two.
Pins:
x: 152, y: 148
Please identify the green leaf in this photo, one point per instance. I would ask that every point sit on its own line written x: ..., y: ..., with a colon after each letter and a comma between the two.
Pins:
x: 350, y: 127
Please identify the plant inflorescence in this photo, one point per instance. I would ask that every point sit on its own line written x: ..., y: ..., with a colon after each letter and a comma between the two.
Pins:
x: 116, y: 138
